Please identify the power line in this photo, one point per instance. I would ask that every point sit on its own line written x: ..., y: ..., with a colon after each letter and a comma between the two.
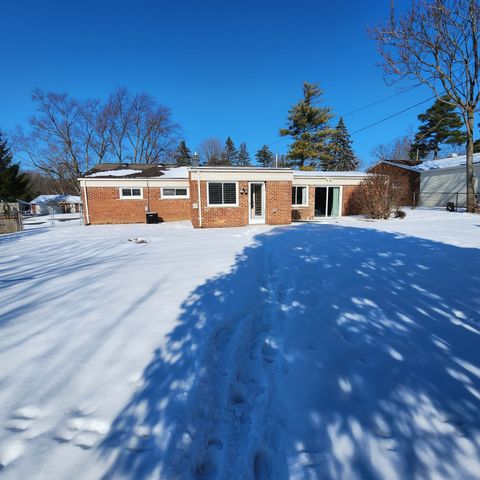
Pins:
x: 365, y: 107
x: 393, y: 115
x: 372, y: 104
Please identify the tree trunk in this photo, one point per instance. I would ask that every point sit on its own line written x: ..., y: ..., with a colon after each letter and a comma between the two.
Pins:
x: 471, y: 201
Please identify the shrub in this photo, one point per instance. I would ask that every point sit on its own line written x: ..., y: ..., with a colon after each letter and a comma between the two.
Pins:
x: 378, y: 196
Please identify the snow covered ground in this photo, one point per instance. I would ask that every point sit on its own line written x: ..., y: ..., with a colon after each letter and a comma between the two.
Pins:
x: 346, y: 349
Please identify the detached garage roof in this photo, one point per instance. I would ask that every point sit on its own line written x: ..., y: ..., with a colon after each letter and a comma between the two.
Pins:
x: 49, y: 199
x: 123, y: 170
x: 440, y: 164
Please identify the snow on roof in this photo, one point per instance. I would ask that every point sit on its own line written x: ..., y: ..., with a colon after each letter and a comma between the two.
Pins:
x: 138, y: 171
x: 176, y: 172
x: 115, y: 173
x: 450, y: 162
x: 440, y: 164
x: 56, y: 199
x: 320, y: 173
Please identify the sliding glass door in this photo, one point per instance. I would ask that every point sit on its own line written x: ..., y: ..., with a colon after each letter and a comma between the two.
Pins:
x: 327, y: 201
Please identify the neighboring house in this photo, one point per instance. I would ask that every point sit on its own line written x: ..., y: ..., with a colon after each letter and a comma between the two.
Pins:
x: 229, y: 196
x: 405, y: 175
x: 46, y: 204
x: 432, y: 183
x: 445, y: 180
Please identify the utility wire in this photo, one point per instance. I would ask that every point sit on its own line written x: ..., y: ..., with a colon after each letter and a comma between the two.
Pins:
x: 365, y: 107
x: 393, y: 115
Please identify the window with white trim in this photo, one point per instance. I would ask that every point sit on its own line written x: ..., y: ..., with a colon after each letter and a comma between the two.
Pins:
x: 174, y: 192
x: 222, y: 194
x: 299, y: 196
x: 131, y: 193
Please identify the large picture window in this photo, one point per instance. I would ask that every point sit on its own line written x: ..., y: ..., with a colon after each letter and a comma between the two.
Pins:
x: 222, y: 194
x: 299, y: 196
x: 131, y: 193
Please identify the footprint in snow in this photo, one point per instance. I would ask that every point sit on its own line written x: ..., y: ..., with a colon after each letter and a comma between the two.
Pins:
x: 86, y: 440
x: 81, y: 430
x: 22, y: 419
x: 18, y: 425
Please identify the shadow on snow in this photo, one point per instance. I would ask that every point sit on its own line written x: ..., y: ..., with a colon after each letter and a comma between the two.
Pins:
x: 326, y: 352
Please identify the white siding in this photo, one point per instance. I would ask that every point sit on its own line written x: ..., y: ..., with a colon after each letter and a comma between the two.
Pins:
x: 437, y: 187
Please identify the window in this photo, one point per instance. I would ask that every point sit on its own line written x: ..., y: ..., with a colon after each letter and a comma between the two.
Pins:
x: 222, y: 194
x: 299, y: 196
x: 131, y: 193
x: 174, y: 192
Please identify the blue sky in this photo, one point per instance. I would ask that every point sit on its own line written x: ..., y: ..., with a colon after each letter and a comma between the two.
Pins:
x: 223, y: 67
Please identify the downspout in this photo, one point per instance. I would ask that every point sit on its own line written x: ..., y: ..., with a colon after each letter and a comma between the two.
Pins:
x: 199, y: 193
x: 87, y: 212
x: 148, y: 197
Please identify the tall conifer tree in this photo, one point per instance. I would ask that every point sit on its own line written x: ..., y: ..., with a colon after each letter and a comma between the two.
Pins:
x: 182, y: 155
x: 13, y: 184
x: 341, y: 155
x: 441, y: 125
x: 243, y: 157
x: 264, y: 157
x: 229, y: 154
x: 308, y: 127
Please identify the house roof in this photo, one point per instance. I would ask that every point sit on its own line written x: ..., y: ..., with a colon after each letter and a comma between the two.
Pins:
x: 440, y: 164
x: 324, y: 173
x: 125, y: 170
x: 117, y: 170
x: 49, y: 199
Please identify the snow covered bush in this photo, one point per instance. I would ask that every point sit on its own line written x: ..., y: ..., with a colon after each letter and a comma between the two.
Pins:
x: 378, y: 196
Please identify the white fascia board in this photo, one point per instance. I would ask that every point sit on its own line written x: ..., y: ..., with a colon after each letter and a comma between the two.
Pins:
x: 247, y: 175
x: 325, y: 181
x: 133, y: 182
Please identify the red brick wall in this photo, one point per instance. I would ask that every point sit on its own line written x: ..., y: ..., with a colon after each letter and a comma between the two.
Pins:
x: 278, y: 203
x: 308, y: 213
x: 347, y: 193
x: 106, y: 206
x: 277, y: 209
x: 305, y: 213
x: 408, y: 180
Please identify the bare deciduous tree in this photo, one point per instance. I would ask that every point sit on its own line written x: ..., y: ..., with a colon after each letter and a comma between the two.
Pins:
x: 57, y: 144
x: 436, y: 43
x: 398, y: 149
x: 211, y: 151
x: 68, y: 136
x: 140, y: 130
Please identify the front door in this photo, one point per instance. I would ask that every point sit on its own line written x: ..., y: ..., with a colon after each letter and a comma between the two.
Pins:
x: 327, y: 202
x: 256, y: 202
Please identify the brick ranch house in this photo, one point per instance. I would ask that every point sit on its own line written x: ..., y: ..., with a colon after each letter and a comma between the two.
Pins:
x: 229, y: 196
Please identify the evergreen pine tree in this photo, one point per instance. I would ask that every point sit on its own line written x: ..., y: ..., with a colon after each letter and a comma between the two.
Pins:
x: 182, y: 155
x: 13, y: 184
x: 341, y: 157
x: 229, y: 154
x: 308, y: 128
x: 441, y: 125
x: 243, y: 157
x: 264, y: 157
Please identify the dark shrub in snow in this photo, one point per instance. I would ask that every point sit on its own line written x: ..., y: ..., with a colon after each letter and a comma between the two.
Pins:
x: 378, y: 196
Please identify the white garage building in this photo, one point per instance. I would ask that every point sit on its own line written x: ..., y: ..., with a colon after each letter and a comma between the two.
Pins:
x: 444, y: 180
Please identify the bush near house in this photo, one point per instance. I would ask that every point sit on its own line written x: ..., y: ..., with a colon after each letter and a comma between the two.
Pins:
x: 378, y: 196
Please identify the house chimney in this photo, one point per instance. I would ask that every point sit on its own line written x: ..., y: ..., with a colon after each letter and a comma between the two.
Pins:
x: 195, y: 160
